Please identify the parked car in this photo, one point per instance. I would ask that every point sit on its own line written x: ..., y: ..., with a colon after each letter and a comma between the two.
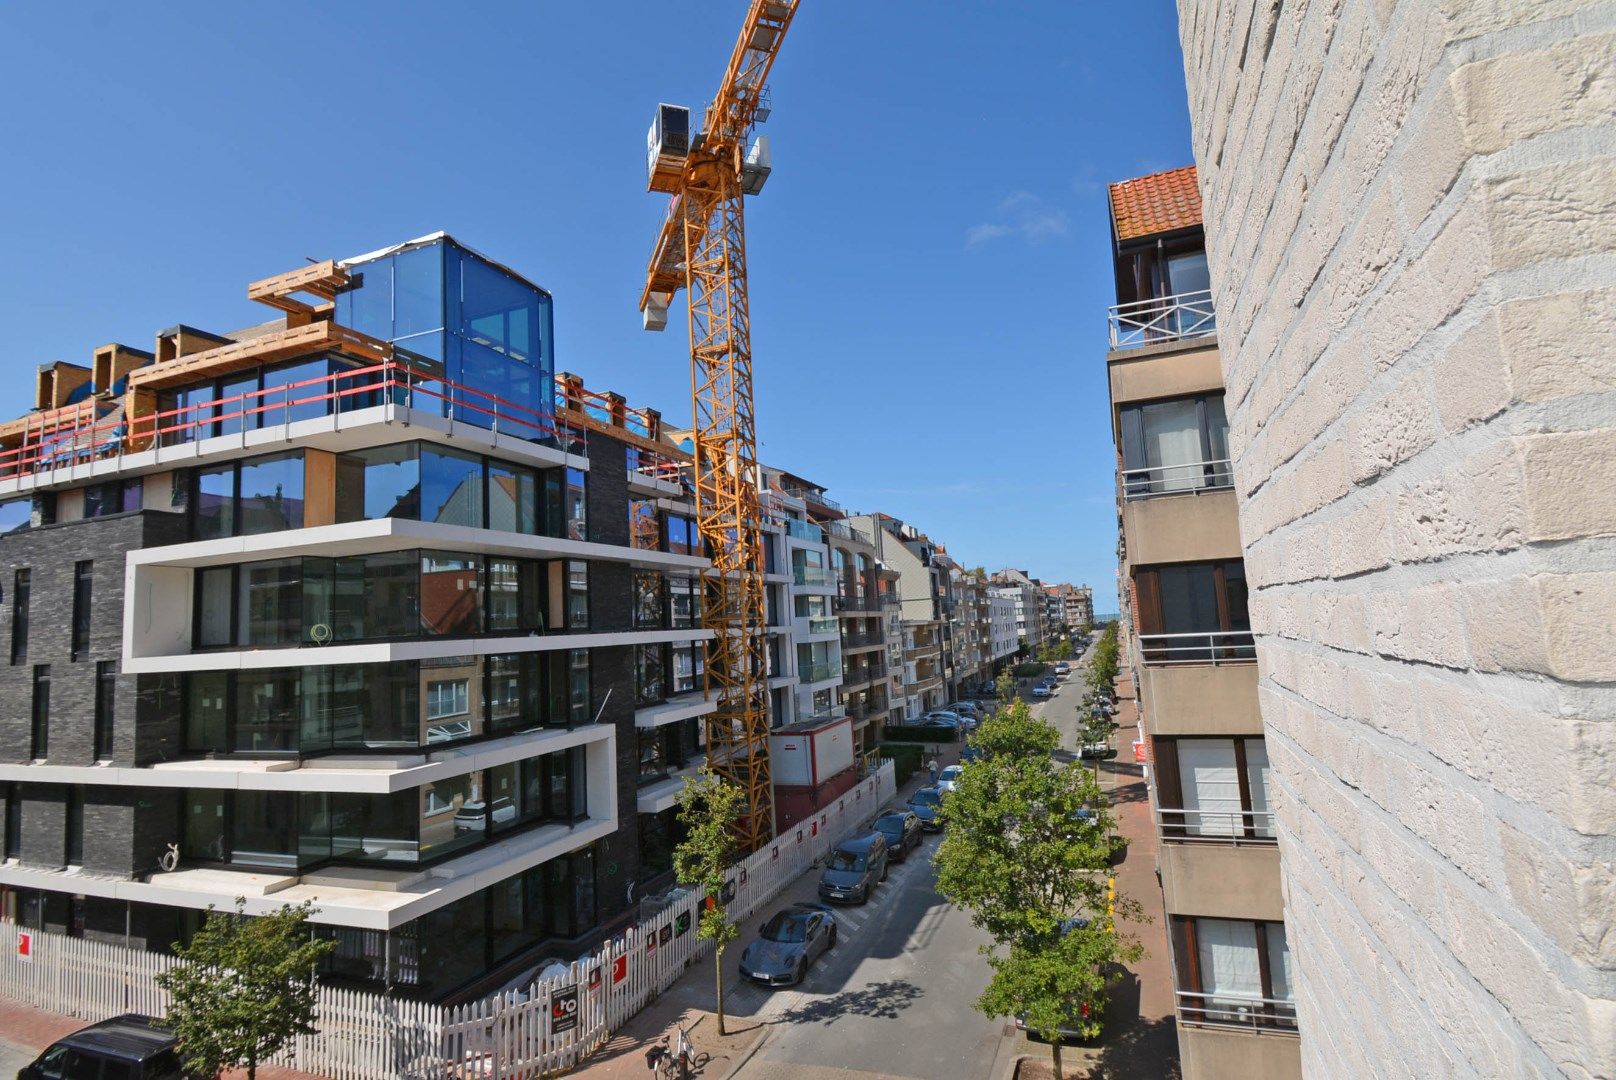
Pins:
x: 854, y: 868
x: 966, y: 708
x: 788, y: 942
x: 1063, y: 669
x: 902, y: 831
x: 948, y: 720
x: 970, y: 754
x: 925, y: 803
x: 1040, y: 690
x: 131, y: 1046
x: 471, y: 818
x: 1079, y: 1009
x: 1097, y: 750
x: 948, y: 779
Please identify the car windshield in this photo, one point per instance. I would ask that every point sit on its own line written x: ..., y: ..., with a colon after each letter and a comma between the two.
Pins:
x: 951, y: 773
x: 892, y: 823
x: 846, y: 860
x: 927, y: 797
x: 786, y: 927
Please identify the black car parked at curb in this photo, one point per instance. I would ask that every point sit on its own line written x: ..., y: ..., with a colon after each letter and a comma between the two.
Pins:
x: 127, y: 1047
x: 902, y: 831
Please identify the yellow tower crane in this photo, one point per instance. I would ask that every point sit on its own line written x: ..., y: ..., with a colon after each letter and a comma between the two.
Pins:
x: 702, y: 247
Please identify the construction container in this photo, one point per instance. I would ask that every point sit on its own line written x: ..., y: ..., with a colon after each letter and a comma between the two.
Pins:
x: 813, y: 764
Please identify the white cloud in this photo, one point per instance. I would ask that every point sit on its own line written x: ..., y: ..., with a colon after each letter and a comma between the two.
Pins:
x: 1020, y: 214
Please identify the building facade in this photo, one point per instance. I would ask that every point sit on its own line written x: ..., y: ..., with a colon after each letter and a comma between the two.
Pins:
x: 1409, y: 225
x: 1186, y: 637
x: 1029, y: 599
x: 907, y: 552
x: 337, y: 609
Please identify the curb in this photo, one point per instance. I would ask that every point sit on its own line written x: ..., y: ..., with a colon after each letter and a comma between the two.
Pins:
x: 1013, y: 1067
x: 747, y: 1054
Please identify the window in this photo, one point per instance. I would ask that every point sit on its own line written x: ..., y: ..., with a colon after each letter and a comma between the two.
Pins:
x: 112, y: 497
x: 684, y: 602
x: 1173, y: 446
x: 83, y: 583
x: 16, y: 515
x: 451, y: 488
x: 644, y: 530
x: 451, y: 595
x: 1193, y: 613
x: 1221, y: 785
x: 648, y: 604
x: 689, y: 661
x: 577, y: 595
x: 41, y: 712
x: 381, y: 482
x: 514, y: 596
x: 513, y: 498
x: 106, y: 690
x: 578, y: 700
x: 74, y: 840
x: 448, y: 698
x: 13, y: 843
x: 650, y: 679
x: 20, y: 588
x: 575, y: 503
x: 1231, y: 971
x: 682, y: 536
x: 259, y: 495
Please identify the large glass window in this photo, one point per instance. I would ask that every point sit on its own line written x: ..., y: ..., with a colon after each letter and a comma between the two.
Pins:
x: 576, y: 504
x: 513, y: 498
x: 451, y: 595
x: 381, y: 482
x: 683, y: 539
x: 451, y: 488
x: 258, y: 495
x: 213, y: 504
x: 644, y: 530
x: 1178, y: 445
x: 577, y: 595
x: 16, y: 515
x: 1232, y: 971
x: 684, y: 602
x: 112, y: 497
x: 648, y: 602
x: 1193, y: 613
x: 268, y: 711
x: 650, y: 680
x: 21, y: 588
x: 1222, y: 785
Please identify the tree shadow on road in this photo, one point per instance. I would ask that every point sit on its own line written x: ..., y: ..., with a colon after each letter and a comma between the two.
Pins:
x: 884, y: 1000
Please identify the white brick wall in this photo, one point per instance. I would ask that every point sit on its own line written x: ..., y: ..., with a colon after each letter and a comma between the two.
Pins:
x: 1411, y: 218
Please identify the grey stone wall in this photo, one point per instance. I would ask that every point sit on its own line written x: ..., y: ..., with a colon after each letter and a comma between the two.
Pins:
x: 1409, y: 208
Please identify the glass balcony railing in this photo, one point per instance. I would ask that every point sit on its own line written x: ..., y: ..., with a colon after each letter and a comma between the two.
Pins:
x: 804, y: 530
x: 826, y: 625
x: 810, y: 673
x: 1161, y: 319
x: 813, y: 577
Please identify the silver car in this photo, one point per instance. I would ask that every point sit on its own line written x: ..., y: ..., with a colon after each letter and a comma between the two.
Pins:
x: 793, y: 938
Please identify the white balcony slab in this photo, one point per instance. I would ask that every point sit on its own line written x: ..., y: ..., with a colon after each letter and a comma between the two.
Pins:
x: 683, y: 707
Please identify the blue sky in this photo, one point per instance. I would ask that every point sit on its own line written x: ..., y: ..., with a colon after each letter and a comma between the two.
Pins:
x: 929, y: 262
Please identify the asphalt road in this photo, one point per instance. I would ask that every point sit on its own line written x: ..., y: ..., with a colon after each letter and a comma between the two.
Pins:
x: 895, y: 998
x: 13, y: 1056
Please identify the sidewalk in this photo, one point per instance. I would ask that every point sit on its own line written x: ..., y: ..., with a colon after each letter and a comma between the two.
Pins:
x: 748, y: 1014
x: 34, y: 1029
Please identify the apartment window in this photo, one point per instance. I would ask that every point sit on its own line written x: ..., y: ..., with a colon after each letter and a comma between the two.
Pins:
x: 1233, y: 971
x: 577, y: 595
x: 644, y: 530
x: 106, y: 689
x: 41, y: 714
x: 13, y: 845
x: 447, y: 698
x: 648, y: 602
x: 259, y: 495
x: 113, y: 497
x: 1214, y: 788
x: 83, y: 584
x: 1193, y: 613
x: 682, y: 535
x: 650, y: 678
x: 1174, y: 446
x: 684, y: 602
x: 689, y: 662
x: 575, y: 501
x: 74, y: 841
x: 20, y: 589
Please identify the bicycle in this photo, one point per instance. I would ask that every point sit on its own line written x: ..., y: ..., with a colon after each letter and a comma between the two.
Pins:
x: 679, y: 1063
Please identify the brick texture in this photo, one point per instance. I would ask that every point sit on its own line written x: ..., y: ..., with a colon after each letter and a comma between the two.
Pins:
x: 1409, y: 224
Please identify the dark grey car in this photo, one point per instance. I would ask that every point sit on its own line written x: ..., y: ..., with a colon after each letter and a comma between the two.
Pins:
x: 792, y: 939
x: 853, y: 869
x: 925, y: 804
x: 902, y: 831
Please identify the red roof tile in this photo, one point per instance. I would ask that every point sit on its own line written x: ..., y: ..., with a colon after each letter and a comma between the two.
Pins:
x: 1158, y: 203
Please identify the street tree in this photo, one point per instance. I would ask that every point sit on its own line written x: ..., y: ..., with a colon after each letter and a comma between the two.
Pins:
x: 710, y: 807
x: 246, y: 988
x: 1104, y: 665
x: 1027, y: 854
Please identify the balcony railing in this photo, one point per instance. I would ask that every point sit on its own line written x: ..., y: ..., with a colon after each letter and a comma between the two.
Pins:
x: 812, y: 577
x: 857, y: 641
x: 1162, y: 318
x: 817, y: 672
x: 841, y: 530
x: 1194, y: 476
x: 1236, y: 1011
x: 891, y: 598
x: 1215, y: 647
x: 1217, y: 826
x: 81, y: 439
x: 828, y: 624
x: 804, y: 530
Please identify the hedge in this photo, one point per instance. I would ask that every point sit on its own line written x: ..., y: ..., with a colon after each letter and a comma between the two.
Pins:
x: 906, y: 759
x: 906, y: 734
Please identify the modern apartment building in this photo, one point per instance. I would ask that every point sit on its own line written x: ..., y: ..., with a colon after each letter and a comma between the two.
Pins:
x: 805, y: 652
x: 1072, y: 605
x: 1409, y: 222
x: 1188, y: 642
x: 902, y: 548
x: 1002, y: 637
x: 1028, y: 595
x: 341, y: 608
x: 866, y: 678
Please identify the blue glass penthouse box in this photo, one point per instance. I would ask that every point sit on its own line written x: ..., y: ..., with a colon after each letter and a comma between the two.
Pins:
x: 454, y: 314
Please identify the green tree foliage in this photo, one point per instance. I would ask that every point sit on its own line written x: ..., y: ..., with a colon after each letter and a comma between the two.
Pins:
x: 246, y: 989
x: 709, y: 809
x: 1063, y: 651
x: 1104, y: 665
x: 1004, y: 688
x: 1028, y: 847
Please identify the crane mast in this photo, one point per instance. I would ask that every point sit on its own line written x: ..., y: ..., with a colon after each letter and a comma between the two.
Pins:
x: 702, y: 248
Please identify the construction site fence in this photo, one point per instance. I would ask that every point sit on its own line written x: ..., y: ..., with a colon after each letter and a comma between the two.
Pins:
x: 553, y: 1025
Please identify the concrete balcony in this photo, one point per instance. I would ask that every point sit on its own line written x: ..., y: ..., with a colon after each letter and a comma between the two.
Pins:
x: 1210, y: 1053
x: 1201, y: 699
x: 1200, y: 525
x: 1222, y: 880
x: 1167, y: 370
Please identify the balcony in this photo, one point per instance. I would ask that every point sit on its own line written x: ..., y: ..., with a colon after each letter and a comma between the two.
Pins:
x: 1162, y: 319
x: 820, y: 672
x: 841, y: 530
x: 1221, y: 880
x: 803, y: 530
x: 862, y: 641
x: 1212, y: 647
x: 812, y: 577
x: 817, y: 626
x: 1185, y: 478
x: 1235, y: 1011
x: 1216, y: 826
x: 1235, y: 1049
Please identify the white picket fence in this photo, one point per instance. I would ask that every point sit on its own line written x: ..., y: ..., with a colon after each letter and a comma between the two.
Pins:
x: 553, y: 1026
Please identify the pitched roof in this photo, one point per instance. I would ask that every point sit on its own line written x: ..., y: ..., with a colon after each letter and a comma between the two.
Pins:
x: 1158, y: 203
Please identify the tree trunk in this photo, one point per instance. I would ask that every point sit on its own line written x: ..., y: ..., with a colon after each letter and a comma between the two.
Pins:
x: 252, y: 1067
x: 718, y: 975
x: 1055, y: 1046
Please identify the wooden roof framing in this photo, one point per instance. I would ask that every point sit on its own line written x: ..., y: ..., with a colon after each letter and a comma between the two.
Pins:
x: 282, y: 345
x: 322, y: 279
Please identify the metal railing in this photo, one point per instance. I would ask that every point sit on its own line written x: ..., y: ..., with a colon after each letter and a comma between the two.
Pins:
x: 1235, y: 1011
x: 891, y: 598
x: 1212, y: 647
x: 1191, y: 476
x: 812, y: 577
x: 1216, y: 826
x: 809, y: 673
x: 858, y: 641
x: 818, y: 498
x: 1162, y: 318
x: 827, y: 624
x: 841, y: 529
